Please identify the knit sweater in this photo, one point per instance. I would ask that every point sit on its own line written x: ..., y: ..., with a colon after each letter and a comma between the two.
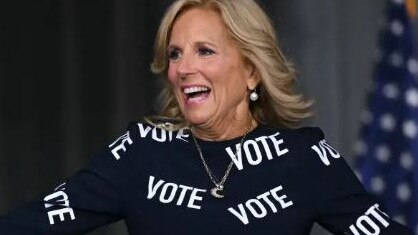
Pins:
x: 282, y: 182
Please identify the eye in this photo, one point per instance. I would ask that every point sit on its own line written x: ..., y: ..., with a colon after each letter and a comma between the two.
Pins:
x: 173, y: 54
x: 204, y: 51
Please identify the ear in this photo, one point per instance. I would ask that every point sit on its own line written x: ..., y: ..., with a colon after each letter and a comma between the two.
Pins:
x: 252, y: 75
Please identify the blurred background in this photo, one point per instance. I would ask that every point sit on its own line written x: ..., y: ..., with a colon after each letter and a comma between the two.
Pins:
x: 74, y: 73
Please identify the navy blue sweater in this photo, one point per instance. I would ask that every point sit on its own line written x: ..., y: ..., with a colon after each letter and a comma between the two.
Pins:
x: 282, y: 182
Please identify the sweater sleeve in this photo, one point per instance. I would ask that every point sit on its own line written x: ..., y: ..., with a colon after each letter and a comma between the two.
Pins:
x: 341, y: 203
x: 90, y: 199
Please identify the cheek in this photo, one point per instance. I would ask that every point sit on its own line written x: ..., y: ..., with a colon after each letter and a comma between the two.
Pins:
x: 171, y: 74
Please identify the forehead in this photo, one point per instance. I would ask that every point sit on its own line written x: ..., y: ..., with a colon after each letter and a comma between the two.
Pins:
x: 199, y: 24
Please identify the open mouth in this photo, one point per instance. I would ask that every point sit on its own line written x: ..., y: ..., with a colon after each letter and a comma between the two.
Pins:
x: 196, y: 93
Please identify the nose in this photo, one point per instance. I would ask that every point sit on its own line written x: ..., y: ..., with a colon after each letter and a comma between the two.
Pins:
x: 186, y: 66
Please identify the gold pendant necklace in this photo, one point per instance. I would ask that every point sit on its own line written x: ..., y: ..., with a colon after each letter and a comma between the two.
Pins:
x: 218, y: 190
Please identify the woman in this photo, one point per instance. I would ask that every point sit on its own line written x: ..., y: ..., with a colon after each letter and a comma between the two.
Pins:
x: 229, y: 160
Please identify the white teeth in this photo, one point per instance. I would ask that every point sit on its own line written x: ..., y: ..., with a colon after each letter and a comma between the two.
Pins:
x: 194, y: 89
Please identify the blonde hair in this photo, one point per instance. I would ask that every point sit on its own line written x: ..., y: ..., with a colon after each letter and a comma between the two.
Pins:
x: 252, y: 31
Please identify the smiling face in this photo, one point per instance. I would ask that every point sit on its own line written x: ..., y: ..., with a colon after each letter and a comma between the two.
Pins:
x: 209, y: 76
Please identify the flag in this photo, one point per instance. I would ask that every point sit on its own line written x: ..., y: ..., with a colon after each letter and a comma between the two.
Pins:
x: 387, y: 151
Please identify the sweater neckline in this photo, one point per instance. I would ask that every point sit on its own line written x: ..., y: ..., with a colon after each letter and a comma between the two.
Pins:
x: 258, y: 130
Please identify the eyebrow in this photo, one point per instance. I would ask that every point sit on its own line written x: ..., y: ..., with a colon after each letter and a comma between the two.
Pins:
x: 171, y: 47
x: 198, y: 43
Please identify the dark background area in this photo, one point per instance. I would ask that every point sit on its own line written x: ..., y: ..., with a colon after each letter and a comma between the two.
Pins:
x: 74, y: 73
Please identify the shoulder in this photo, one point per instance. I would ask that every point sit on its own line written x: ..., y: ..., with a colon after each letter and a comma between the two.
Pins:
x: 327, y: 170
x: 312, y: 141
x: 308, y: 146
x: 304, y: 135
x: 299, y: 138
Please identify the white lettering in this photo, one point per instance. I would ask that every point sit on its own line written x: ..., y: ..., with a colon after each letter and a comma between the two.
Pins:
x: 159, y: 134
x: 264, y: 196
x: 331, y: 150
x: 237, y: 159
x: 281, y: 198
x: 60, y: 213
x: 248, y: 153
x: 170, y: 191
x: 254, y: 147
x: 143, y: 132
x: 277, y: 144
x: 124, y: 138
x: 354, y: 230
x: 170, y: 135
x: 62, y: 202
x: 58, y: 198
x: 263, y: 140
x: 152, y: 190
x: 194, y: 197
x: 171, y: 195
x: 365, y: 219
x: 241, y: 215
x: 263, y: 211
x: 374, y: 211
x: 256, y: 207
x: 366, y: 225
x: 183, y: 193
x: 322, y: 152
x: 60, y: 187
x: 162, y: 137
x: 182, y: 136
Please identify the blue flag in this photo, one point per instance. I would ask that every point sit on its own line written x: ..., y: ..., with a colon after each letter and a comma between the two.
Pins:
x: 387, y: 152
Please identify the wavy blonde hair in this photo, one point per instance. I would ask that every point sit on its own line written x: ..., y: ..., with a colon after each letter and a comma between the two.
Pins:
x: 252, y: 31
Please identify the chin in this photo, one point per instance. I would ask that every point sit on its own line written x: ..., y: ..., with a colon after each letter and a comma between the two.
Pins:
x: 197, y: 119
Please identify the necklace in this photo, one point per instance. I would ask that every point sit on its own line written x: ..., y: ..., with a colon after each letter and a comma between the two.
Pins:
x: 217, y: 191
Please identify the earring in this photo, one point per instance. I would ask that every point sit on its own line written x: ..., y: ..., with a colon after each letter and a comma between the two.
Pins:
x: 253, y: 95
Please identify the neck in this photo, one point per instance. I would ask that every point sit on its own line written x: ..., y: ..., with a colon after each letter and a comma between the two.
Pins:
x: 224, y: 132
